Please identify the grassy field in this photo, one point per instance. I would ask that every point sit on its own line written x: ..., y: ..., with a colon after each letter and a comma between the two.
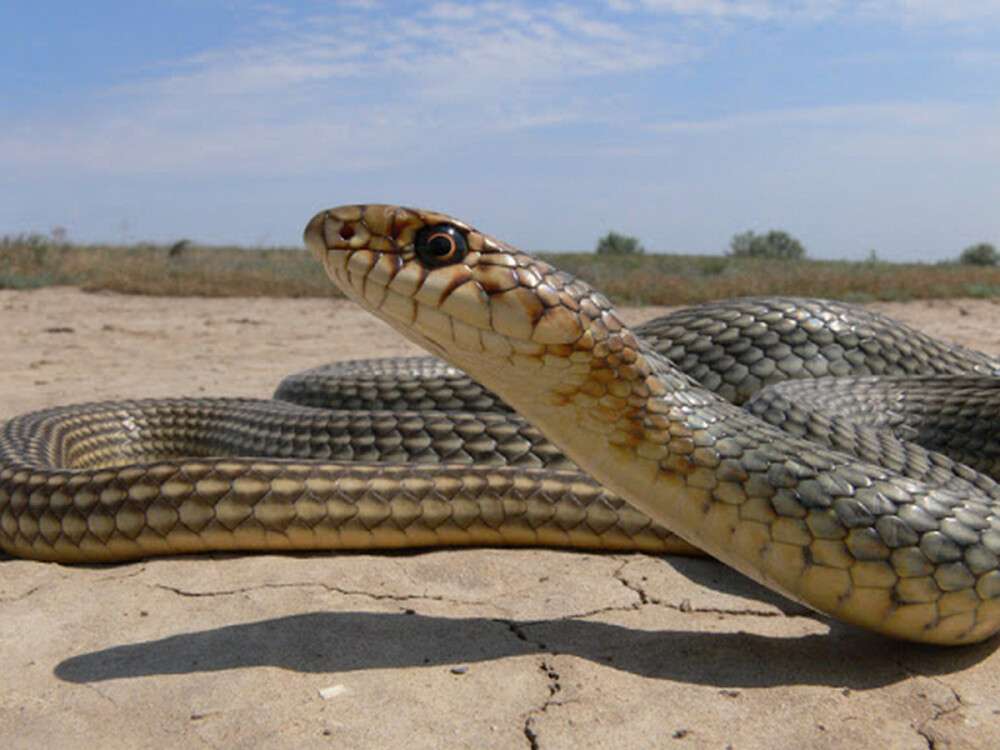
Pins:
x: 32, y: 262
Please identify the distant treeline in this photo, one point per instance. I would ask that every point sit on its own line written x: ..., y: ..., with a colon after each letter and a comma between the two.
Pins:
x: 186, y: 269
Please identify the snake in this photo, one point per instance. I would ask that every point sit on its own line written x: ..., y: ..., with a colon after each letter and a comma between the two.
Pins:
x: 838, y: 457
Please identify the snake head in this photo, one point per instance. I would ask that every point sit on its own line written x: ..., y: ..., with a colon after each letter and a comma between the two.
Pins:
x: 459, y: 292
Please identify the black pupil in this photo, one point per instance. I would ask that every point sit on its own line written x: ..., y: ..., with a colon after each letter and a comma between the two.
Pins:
x: 440, y: 245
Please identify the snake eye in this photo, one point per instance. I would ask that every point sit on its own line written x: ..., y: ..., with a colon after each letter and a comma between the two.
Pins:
x: 440, y: 245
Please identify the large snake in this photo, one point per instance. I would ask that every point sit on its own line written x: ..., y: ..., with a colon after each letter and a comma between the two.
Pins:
x: 806, y: 488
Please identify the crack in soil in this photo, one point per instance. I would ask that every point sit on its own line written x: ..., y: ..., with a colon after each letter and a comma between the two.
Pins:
x: 101, y: 694
x: 332, y: 589
x: 933, y: 739
x: 685, y: 606
x: 640, y: 593
x: 552, y: 676
x: 554, y: 688
x: 19, y: 597
x: 131, y: 574
x: 518, y: 630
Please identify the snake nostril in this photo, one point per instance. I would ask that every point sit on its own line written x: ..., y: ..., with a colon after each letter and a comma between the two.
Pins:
x: 346, y: 231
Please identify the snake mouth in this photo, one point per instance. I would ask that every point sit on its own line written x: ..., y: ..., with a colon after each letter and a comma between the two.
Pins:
x: 313, y: 237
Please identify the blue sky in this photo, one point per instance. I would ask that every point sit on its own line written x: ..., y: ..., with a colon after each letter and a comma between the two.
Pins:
x: 861, y: 125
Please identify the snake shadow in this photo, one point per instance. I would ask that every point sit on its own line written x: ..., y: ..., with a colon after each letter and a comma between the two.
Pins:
x: 334, y: 642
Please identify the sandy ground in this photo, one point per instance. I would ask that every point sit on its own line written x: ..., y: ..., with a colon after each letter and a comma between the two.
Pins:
x: 468, y: 648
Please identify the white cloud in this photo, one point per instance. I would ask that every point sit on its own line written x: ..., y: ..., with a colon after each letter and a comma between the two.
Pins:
x: 348, y: 88
x: 931, y: 11
x: 375, y: 87
x: 907, y: 134
x: 897, y: 11
x: 452, y: 11
x: 518, y: 112
x: 753, y: 9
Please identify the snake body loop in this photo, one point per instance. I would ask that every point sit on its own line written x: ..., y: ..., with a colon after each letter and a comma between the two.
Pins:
x: 858, y: 476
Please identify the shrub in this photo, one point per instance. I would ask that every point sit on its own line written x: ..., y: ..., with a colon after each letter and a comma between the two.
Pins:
x: 614, y: 243
x: 177, y: 249
x: 774, y: 244
x: 983, y: 254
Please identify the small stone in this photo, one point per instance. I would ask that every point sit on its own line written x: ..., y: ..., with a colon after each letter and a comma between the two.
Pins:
x: 333, y: 691
x: 459, y: 670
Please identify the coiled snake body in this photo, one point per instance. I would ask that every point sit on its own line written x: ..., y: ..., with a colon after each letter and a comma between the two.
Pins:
x: 806, y: 488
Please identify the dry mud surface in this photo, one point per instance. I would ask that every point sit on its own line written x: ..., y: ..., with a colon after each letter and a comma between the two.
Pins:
x: 453, y: 648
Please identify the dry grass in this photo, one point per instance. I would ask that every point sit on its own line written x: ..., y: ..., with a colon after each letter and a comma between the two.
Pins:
x: 29, y: 262
x: 149, y: 269
x: 689, y: 279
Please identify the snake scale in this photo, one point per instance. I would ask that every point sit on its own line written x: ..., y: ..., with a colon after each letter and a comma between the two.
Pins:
x: 834, y: 455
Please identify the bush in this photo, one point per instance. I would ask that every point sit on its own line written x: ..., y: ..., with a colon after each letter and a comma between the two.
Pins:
x: 619, y: 244
x: 983, y: 254
x: 774, y: 244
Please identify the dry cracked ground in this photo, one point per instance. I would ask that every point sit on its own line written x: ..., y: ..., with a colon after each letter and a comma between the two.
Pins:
x: 451, y: 648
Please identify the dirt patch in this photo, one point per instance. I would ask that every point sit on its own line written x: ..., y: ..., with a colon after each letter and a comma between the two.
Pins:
x: 459, y: 648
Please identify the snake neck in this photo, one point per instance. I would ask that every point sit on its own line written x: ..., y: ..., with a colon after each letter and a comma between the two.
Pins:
x: 644, y: 430
x: 608, y: 402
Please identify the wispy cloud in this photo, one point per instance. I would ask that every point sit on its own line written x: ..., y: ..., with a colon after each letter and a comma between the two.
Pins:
x: 373, y: 87
x: 749, y: 9
x: 905, y: 133
x: 670, y: 113
x: 906, y: 11
x: 352, y: 88
x: 933, y: 11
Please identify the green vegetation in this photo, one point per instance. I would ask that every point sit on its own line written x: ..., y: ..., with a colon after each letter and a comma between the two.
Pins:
x: 28, y: 262
x: 614, y: 243
x: 982, y: 254
x: 774, y: 244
